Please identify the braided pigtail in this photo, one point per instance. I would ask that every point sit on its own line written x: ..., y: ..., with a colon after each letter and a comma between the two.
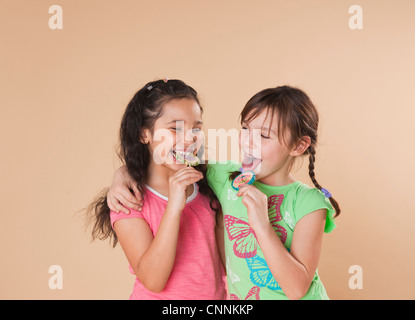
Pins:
x: 312, y: 159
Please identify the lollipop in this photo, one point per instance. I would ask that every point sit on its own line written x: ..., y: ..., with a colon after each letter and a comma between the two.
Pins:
x: 246, y: 177
x: 187, y: 158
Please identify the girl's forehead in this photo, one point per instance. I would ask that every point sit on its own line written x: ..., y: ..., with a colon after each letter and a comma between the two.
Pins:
x: 264, y: 118
x: 181, y: 110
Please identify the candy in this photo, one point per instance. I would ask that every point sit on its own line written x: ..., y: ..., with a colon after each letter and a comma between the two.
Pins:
x: 187, y: 158
x: 247, y: 177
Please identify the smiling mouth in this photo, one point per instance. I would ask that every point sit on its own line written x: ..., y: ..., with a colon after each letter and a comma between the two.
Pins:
x: 187, y: 158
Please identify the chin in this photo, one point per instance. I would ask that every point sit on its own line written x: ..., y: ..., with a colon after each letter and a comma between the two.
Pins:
x: 174, y: 166
x: 261, y: 172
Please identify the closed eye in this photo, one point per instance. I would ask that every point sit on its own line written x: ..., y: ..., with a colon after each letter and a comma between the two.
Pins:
x: 263, y: 136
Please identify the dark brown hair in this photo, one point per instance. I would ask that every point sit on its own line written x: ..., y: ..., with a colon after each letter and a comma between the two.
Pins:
x: 296, y: 114
x: 142, y: 111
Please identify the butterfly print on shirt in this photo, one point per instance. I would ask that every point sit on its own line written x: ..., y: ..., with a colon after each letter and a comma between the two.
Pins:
x: 260, y: 274
x: 274, y: 214
x: 246, y: 244
x: 253, y: 294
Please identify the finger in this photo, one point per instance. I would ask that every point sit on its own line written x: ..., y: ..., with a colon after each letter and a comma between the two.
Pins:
x: 118, y: 207
x: 242, y: 190
x: 113, y: 202
x: 246, y: 202
x: 186, y: 182
x: 187, y: 174
x: 249, y: 202
x: 248, y: 197
x: 190, y: 169
x: 125, y: 202
x: 190, y: 176
x: 186, y: 171
x: 255, y: 192
x: 111, y: 206
x: 128, y: 195
x: 137, y: 194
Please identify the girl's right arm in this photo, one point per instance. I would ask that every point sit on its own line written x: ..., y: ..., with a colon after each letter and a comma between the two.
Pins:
x: 152, y: 259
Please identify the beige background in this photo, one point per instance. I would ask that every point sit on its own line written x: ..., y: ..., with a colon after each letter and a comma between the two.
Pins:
x: 63, y: 92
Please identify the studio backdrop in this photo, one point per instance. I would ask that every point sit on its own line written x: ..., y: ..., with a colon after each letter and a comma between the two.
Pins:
x: 69, y: 68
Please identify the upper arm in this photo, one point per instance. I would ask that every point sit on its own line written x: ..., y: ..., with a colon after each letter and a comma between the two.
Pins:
x: 217, y: 175
x: 307, y: 240
x: 135, y: 236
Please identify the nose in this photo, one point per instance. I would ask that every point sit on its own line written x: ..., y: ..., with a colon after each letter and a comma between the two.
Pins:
x: 189, y: 137
x: 187, y: 142
x: 251, y: 141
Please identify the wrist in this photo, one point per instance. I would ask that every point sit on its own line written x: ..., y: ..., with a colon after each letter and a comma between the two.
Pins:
x: 121, y: 173
x: 173, y: 210
x: 263, y: 228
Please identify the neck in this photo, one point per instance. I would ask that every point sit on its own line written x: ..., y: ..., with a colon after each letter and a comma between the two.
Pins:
x: 279, y: 177
x: 158, y: 179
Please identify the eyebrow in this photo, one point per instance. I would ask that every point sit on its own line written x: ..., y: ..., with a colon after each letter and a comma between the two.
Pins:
x: 196, y: 122
x: 262, y: 128
x: 267, y: 129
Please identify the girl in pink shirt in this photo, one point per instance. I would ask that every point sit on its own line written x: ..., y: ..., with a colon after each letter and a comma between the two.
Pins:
x: 170, y: 244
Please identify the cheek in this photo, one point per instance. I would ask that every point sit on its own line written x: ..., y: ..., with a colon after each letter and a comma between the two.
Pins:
x: 243, y: 138
x: 271, y: 153
x: 163, y: 142
x: 266, y: 151
x: 199, y: 139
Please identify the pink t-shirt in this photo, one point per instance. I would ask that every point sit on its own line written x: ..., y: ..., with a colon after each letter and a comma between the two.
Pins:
x: 197, y: 272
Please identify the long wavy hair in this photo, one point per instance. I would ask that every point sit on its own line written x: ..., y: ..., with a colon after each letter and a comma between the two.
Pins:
x: 296, y: 113
x: 142, y: 111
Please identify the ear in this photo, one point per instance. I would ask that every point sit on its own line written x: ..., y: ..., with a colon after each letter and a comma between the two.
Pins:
x: 301, y: 146
x: 144, y: 137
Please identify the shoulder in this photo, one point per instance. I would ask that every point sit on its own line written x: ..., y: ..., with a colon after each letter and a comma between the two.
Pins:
x: 308, y: 200
x: 218, y: 174
x: 150, y: 203
x: 222, y: 166
x: 304, y: 192
x: 114, y: 216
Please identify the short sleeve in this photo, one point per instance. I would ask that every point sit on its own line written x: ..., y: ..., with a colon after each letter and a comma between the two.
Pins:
x: 311, y: 199
x: 218, y: 173
x: 117, y: 216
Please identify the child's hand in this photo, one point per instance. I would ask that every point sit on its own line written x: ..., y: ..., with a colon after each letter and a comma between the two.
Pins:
x: 178, y: 184
x: 119, y: 195
x: 256, y: 203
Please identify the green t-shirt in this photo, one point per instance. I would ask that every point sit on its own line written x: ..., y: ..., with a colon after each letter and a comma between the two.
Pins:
x: 247, y: 271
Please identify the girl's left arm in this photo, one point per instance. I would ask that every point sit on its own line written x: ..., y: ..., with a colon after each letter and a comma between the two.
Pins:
x: 293, y: 270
